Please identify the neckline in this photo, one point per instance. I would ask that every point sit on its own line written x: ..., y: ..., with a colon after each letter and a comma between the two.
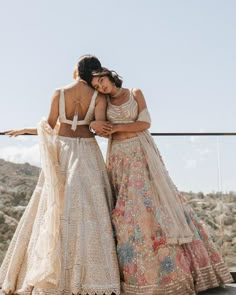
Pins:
x: 130, y: 96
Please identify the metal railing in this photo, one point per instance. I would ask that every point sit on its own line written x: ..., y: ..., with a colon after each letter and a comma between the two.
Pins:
x: 177, y: 133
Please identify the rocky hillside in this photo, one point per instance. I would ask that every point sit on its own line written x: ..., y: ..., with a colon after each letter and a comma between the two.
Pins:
x: 17, y: 182
x: 218, y: 212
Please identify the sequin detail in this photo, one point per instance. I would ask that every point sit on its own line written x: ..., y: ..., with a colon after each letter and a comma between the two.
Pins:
x: 148, y: 264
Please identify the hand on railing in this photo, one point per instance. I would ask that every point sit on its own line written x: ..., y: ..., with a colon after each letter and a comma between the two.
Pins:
x: 23, y: 131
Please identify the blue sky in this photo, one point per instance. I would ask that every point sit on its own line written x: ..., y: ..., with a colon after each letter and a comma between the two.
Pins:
x: 182, y: 54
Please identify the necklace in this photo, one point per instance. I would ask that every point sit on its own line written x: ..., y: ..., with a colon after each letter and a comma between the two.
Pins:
x: 117, y: 93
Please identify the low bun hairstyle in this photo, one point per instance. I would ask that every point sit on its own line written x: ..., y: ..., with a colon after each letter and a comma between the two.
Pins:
x: 86, y: 65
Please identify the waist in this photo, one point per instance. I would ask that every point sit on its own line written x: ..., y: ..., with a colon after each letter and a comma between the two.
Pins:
x: 125, y: 140
x: 75, y: 139
x: 123, y: 135
x: 82, y: 131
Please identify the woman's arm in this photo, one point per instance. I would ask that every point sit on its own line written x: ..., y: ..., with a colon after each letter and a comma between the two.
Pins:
x: 54, y: 109
x: 100, y: 125
x: 52, y: 118
x: 100, y: 108
x: 22, y: 131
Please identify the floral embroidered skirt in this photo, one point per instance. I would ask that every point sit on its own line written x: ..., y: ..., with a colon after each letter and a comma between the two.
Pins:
x: 148, y: 265
x: 88, y: 256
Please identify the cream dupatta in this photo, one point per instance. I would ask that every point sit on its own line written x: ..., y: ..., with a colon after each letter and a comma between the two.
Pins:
x: 173, y: 219
x: 46, y: 270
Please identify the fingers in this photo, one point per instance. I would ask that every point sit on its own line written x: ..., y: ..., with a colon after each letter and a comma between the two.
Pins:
x: 105, y: 132
x: 13, y: 133
x: 107, y: 127
x: 102, y: 128
x: 10, y: 132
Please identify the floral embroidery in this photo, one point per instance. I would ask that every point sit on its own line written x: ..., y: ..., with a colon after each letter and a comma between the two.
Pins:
x: 125, y: 253
x: 144, y: 255
x: 167, y: 265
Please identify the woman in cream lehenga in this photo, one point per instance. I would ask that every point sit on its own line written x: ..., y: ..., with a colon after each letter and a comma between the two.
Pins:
x: 163, y: 248
x: 64, y: 241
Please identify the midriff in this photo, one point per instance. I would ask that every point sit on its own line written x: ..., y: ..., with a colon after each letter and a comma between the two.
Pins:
x: 123, y: 135
x: 81, y: 131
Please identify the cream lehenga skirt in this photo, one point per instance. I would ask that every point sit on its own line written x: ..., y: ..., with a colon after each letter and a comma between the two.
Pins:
x: 88, y: 262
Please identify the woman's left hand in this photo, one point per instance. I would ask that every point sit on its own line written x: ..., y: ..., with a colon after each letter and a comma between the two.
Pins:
x: 102, y: 128
x: 15, y: 132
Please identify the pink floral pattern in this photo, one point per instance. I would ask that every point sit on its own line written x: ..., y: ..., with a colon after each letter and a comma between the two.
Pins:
x: 146, y: 260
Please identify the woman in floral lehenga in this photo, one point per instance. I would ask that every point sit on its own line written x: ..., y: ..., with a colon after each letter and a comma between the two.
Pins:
x: 163, y: 248
x: 64, y: 243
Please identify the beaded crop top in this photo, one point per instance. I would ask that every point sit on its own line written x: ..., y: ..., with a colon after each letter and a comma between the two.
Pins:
x: 88, y: 117
x: 124, y: 113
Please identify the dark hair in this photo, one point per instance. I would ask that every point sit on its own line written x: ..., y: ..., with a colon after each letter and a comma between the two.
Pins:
x: 86, y: 65
x: 112, y: 76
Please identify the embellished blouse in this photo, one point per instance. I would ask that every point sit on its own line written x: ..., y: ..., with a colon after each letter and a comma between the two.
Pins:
x: 124, y: 113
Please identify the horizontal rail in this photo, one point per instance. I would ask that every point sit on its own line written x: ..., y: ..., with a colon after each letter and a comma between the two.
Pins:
x: 177, y: 133
x: 194, y: 134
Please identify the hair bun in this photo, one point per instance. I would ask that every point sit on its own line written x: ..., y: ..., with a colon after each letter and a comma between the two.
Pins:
x: 86, y: 65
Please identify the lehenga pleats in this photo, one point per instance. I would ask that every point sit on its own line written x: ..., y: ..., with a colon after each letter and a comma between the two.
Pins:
x: 88, y: 255
x: 149, y: 264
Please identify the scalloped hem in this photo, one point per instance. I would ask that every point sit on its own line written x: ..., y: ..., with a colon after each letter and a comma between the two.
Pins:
x: 85, y: 291
x: 100, y: 292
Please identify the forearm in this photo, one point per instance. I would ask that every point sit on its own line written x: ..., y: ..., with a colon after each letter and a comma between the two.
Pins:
x: 32, y: 131
x: 131, y: 127
x: 22, y: 131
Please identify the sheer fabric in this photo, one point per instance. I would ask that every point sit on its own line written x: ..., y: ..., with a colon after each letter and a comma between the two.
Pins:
x: 48, y: 247
x: 144, y: 116
x: 174, y: 222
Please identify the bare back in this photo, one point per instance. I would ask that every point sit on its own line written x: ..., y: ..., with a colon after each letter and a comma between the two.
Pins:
x: 77, y: 98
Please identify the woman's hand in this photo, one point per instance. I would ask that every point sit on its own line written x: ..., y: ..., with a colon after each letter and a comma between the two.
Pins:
x: 16, y: 132
x: 102, y: 128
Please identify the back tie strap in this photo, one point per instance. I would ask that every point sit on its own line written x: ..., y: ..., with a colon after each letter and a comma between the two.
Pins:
x: 75, y: 118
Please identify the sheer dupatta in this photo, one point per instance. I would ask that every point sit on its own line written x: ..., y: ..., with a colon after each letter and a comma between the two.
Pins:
x: 172, y: 215
x: 46, y: 270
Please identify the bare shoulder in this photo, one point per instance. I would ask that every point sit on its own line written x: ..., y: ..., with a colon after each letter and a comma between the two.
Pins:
x: 137, y: 91
x: 139, y: 97
x: 56, y: 96
x: 138, y: 94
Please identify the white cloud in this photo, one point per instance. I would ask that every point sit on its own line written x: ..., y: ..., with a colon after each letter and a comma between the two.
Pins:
x: 21, y: 154
x: 191, y: 163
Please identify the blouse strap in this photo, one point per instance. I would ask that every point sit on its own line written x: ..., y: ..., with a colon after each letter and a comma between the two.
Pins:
x: 132, y: 93
x: 92, y: 104
x: 62, y: 113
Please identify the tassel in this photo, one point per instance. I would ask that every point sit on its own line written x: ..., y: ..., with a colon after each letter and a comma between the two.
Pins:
x: 74, y: 123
